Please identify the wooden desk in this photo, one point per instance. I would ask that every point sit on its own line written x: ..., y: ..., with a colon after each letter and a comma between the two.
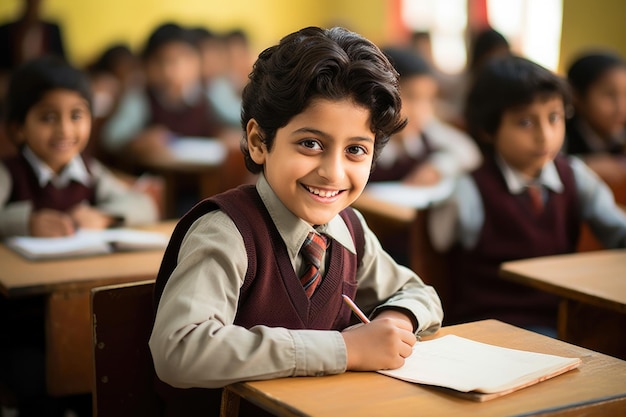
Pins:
x: 597, y: 387
x: 592, y: 286
x: 66, y: 284
x: 206, y: 178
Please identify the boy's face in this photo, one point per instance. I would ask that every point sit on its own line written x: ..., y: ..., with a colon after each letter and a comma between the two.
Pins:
x: 418, y: 95
x: 320, y: 161
x: 57, y: 128
x: 173, y: 68
x: 604, y: 105
x: 531, y: 136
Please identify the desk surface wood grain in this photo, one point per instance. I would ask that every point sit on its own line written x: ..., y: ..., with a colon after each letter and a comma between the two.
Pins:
x: 596, y: 278
x: 597, y: 387
x: 21, y: 277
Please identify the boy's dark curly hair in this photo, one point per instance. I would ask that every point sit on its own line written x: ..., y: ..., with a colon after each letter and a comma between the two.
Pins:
x: 317, y: 63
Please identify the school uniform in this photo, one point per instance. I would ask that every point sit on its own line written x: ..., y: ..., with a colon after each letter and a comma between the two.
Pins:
x: 490, y: 220
x: 28, y: 184
x: 141, y: 108
x: 211, y: 287
x: 451, y: 151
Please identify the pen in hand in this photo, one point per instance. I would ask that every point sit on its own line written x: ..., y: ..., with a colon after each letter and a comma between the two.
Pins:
x: 355, y: 309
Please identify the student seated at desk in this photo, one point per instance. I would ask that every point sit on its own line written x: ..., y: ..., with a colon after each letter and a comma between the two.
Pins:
x: 49, y: 189
x: 597, y: 131
x: 173, y: 102
x: 236, y: 297
x: 525, y: 200
x: 426, y: 149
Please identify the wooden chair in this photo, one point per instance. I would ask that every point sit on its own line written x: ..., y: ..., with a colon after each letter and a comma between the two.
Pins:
x: 122, y: 320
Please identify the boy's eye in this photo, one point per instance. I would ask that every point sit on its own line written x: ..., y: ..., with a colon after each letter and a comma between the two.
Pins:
x: 77, y: 114
x: 525, y: 122
x: 311, y: 144
x: 356, y: 150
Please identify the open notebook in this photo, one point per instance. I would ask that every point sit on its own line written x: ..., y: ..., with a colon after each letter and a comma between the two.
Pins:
x: 478, y: 371
x: 87, y: 242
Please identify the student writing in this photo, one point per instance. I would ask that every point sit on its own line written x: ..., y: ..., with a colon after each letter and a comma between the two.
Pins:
x: 317, y: 110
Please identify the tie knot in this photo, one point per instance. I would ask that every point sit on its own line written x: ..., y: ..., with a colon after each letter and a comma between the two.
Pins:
x: 313, y: 248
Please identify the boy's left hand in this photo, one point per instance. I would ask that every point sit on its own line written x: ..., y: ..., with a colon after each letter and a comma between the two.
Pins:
x: 425, y: 174
x: 87, y: 217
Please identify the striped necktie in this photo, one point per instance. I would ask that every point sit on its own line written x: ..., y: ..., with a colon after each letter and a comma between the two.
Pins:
x: 312, y: 251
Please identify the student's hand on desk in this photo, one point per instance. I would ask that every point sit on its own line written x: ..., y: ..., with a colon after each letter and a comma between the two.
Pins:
x: 424, y: 174
x: 87, y: 217
x: 384, y: 343
x: 611, y: 169
x: 50, y: 223
x: 151, y: 143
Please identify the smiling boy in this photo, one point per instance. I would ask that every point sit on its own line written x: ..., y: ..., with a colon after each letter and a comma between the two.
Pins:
x: 231, y: 306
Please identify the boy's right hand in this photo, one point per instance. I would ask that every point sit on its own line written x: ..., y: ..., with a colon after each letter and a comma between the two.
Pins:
x: 50, y: 223
x: 383, y: 343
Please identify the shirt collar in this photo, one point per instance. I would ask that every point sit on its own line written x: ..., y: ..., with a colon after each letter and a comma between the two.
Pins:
x: 75, y: 170
x: 294, y: 230
x: 517, y: 182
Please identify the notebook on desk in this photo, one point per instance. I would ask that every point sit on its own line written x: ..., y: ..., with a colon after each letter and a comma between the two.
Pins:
x: 86, y: 243
x: 478, y: 371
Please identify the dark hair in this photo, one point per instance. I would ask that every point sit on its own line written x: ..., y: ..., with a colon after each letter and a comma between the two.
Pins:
x: 590, y: 67
x: 505, y: 83
x: 33, y: 79
x: 407, y: 62
x: 483, y: 45
x: 165, y: 34
x: 320, y: 63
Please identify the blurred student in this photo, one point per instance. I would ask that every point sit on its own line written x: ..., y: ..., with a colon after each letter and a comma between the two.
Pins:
x: 484, y: 45
x: 49, y: 188
x: 215, y: 70
x: 525, y: 200
x: 172, y: 104
x: 27, y: 37
x: 426, y: 150
x: 251, y: 285
x: 597, y: 130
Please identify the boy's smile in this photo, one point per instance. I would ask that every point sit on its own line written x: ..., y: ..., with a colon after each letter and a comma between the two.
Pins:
x: 57, y: 128
x: 320, y: 161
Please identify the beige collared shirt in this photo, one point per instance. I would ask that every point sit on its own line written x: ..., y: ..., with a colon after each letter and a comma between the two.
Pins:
x: 195, y: 344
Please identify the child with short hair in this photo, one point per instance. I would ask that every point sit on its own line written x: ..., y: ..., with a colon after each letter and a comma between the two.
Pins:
x: 49, y: 189
x: 236, y: 298
x: 426, y: 150
x: 525, y: 200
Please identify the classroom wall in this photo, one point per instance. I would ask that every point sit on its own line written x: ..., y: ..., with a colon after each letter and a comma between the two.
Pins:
x: 590, y: 24
x: 90, y: 25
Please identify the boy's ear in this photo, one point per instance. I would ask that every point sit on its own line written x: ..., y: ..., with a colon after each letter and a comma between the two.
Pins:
x: 256, y: 147
x: 15, y: 133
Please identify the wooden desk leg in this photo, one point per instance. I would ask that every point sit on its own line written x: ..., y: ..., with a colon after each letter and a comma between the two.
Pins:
x: 230, y: 403
x: 563, y: 319
x: 69, y: 354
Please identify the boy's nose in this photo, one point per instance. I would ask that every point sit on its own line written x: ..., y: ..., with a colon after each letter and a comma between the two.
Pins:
x: 332, y: 168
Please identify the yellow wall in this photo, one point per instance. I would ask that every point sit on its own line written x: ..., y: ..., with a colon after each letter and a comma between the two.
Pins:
x: 590, y: 24
x: 90, y: 25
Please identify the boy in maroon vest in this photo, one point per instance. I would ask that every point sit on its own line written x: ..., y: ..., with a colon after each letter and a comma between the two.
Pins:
x: 526, y: 199
x: 231, y: 302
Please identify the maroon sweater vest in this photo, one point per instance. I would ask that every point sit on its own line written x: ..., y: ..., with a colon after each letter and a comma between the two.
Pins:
x: 26, y: 188
x: 271, y: 294
x: 403, y: 166
x: 196, y: 120
x: 511, y: 231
